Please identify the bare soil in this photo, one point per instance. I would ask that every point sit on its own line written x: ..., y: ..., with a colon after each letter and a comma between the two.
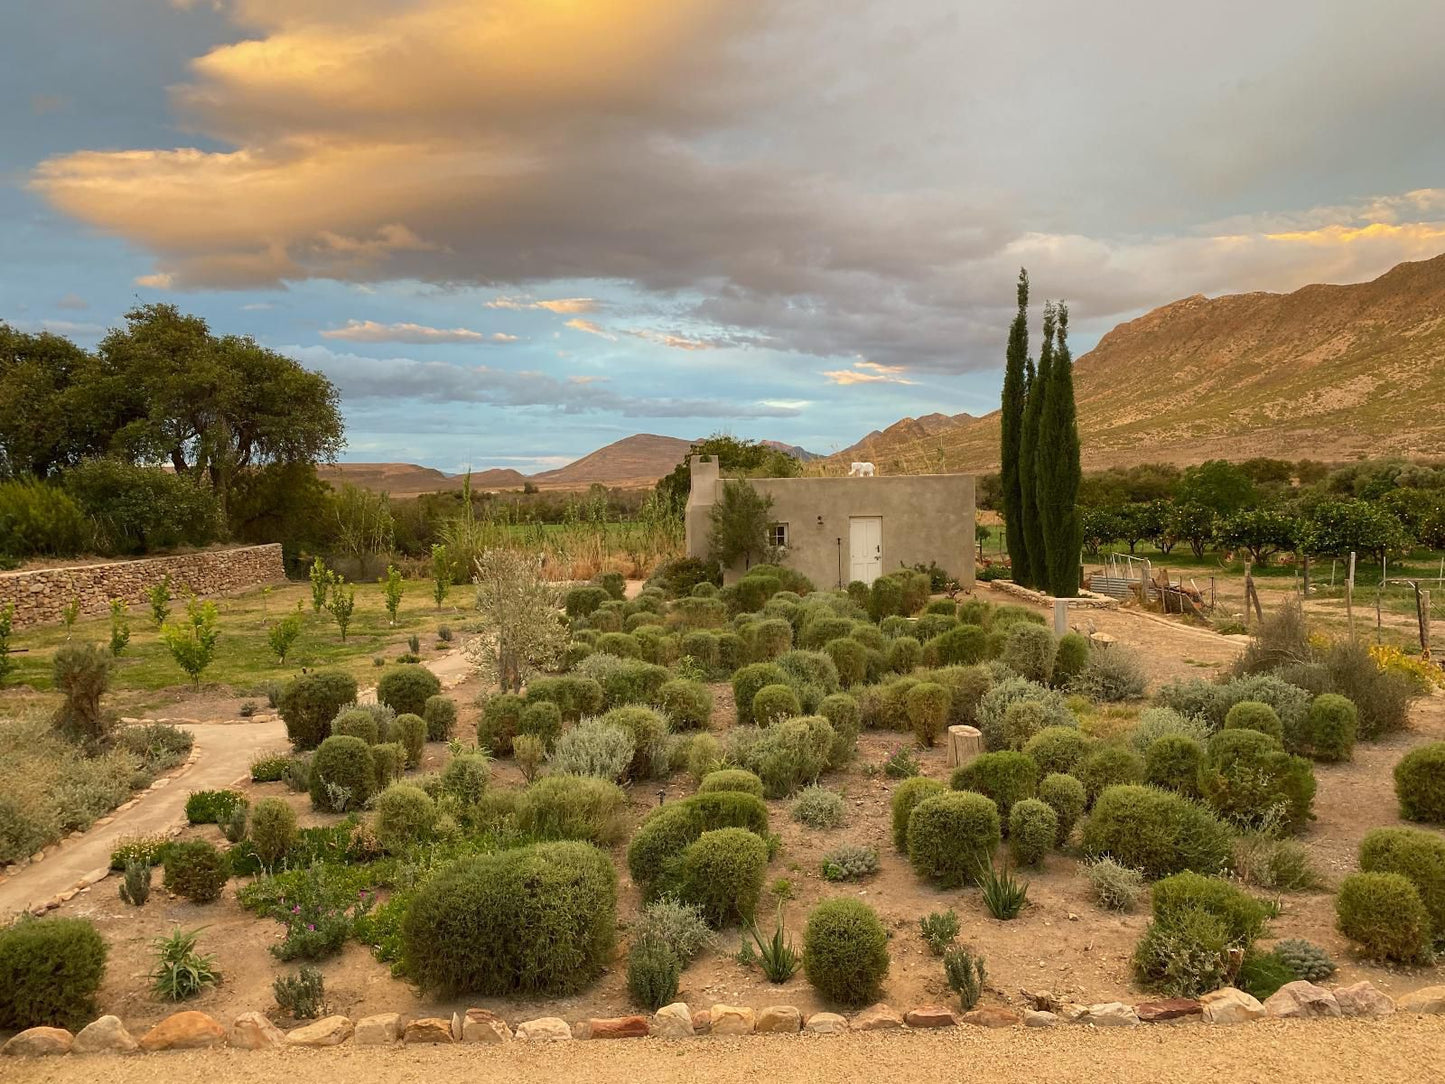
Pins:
x: 1062, y: 942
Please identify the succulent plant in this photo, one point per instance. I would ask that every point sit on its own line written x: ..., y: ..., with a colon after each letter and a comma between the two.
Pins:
x: 1308, y: 961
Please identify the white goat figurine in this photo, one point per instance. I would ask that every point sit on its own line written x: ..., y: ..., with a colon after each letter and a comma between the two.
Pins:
x: 861, y: 470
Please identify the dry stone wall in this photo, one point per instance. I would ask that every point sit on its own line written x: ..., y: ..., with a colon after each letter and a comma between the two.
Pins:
x: 40, y: 594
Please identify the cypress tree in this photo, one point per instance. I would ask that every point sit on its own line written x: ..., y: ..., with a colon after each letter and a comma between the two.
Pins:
x: 1015, y: 393
x: 1034, y: 571
x: 1056, y: 465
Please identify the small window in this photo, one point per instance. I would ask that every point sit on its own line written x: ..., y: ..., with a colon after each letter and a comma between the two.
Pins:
x: 778, y: 535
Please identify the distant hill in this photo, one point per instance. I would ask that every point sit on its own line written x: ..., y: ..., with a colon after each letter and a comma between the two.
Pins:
x: 879, y: 444
x: 1325, y: 372
x: 637, y: 460
x: 792, y: 449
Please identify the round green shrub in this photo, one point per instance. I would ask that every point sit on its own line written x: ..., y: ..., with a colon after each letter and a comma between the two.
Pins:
x: 1055, y: 748
x: 770, y: 638
x: 648, y: 730
x: 273, y: 830
x: 1157, y: 832
x: 791, y: 753
x: 905, y: 796
x: 904, y: 655
x: 404, y: 815
x: 405, y: 689
x: 1420, y: 784
x: 841, y: 711
x: 722, y: 873
x: 748, y: 681
x: 1186, y: 957
x: 851, y: 659
x: 952, y: 837
x: 1416, y: 855
x: 731, y: 779
x: 1029, y: 651
x: 667, y: 832
x: 622, y: 644
x: 1109, y: 766
x: 410, y: 731
x: 1070, y: 657
x: 605, y: 621
x: 440, y: 713
x: 1033, y: 829
x: 357, y: 723
x: 583, y: 601
x: 466, y: 777
x: 309, y: 703
x: 197, y: 871
x: 543, y: 720
x: 930, y: 625
x: 819, y: 807
x: 822, y: 628
x: 573, y: 807
x: 1066, y: 796
x: 50, y: 972
x: 962, y: 645
x: 1332, y: 725
x: 774, y: 703
x: 388, y: 761
x: 574, y: 696
x: 845, y: 952
x: 688, y: 704
x: 342, y: 762
x: 1252, y: 715
x: 1022, y: 721
x: 538, y: 920
x: 1173, y: 762
x: 1244, y: 917
x: 1250, y: 780
x: 1006, y: 777
x: 927, y: 707
x: 653, y: 971
x: 1382, y: 913
x: 501, y: 716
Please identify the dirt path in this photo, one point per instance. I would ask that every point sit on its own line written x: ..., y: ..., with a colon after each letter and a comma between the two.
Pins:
x: 1397, y: 1048
x: 227, y: 750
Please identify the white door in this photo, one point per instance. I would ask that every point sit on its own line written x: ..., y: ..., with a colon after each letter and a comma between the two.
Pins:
x: 865, y: 547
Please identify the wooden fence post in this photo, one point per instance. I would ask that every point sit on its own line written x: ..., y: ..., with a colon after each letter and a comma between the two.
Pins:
x: 1350, y: 595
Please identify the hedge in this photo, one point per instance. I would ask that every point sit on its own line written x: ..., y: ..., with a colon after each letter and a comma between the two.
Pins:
x: 845, y: 952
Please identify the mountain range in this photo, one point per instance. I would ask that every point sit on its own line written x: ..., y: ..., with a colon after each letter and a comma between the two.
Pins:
x: 1326, y: 372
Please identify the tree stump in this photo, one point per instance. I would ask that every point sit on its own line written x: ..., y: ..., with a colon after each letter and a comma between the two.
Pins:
x: 964, y: 743
x: 1100, y: 641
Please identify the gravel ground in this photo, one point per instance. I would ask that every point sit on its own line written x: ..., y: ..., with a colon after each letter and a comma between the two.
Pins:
x: 1398, y: 1048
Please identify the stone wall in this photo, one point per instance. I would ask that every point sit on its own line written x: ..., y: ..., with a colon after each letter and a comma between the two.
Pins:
x: 39, y: 594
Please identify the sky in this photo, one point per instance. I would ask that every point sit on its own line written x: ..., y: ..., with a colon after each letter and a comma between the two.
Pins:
x: 511, y: 231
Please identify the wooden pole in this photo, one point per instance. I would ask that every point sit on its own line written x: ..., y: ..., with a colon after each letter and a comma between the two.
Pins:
x: 1350, y: 595
x: 1306, y: 590
x: 1422, y: 606
x: 1379, y: 596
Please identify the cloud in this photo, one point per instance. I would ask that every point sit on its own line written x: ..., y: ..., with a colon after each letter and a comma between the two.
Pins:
x: 868, y: 372
x: 362, y: 379
x: 369, y: 331
x: 830, y: 178
x: 591, y: 328
x: 561, y: 305
x: 72, y: 302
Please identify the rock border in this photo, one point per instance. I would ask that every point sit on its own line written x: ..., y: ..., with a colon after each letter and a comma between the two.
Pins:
x: 1086, y: 600
x: 193, y: 1030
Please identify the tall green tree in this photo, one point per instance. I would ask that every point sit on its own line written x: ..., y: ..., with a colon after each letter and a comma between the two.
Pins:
x: 1015, y: 395
x: 736, y: 459
x: 1057, y: 471
x: 1031, y: 572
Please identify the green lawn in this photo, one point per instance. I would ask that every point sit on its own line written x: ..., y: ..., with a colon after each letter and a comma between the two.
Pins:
x: 243, y: 659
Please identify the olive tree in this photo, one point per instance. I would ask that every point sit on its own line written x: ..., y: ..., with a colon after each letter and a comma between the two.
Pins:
x: 523, y: 629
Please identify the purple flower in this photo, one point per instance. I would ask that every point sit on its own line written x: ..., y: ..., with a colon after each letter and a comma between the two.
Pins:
x: 310, y: 927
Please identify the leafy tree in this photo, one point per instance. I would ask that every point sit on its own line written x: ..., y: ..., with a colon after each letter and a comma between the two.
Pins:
x: 1262, y: 532
x: 119, y: 626
x: 341, y: 603
x: 54, y: 412
x: 1217, y: 485
x: 1140, y: 520
x: 159, y: 598
x: 192, y: 642
x: 321, y: 580
x: 736, y: 458
x: 739, y: 525
x: 1057, y: 468
x: 522, y: 630
x: 1100, y: 527
x: 441, y: 574
x: 363, y: 523
x: 1033, y: 571
x: 1335, y: 528
x: 1192, y: 523
x: 1161, y: 525
x: 282, y: 635
x: 1015, y: 396
x: 392, y: 588
x: 137, y: 509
